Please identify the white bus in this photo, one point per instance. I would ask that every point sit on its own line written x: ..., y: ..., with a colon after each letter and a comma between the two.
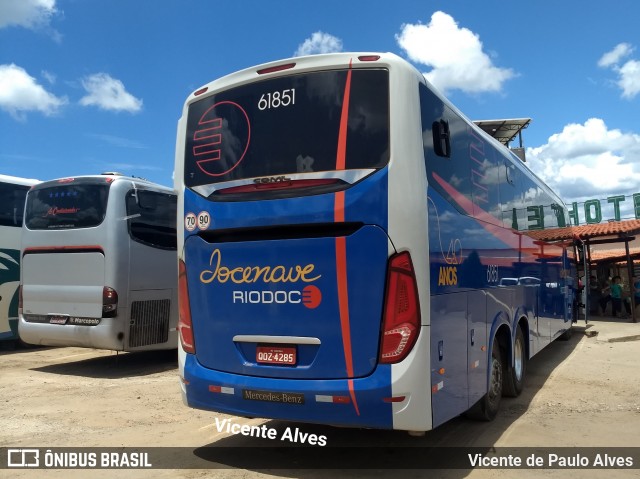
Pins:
x: 345, y: 233
x: 99, y: 264
x: 13, y: 192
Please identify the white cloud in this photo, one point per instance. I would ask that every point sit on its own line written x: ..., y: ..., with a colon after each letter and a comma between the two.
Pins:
x: 108, y: 93
x: 118, y: 141
x: 614, y: 56
x: 20, y: 93
x: 319, y: 42
x: 588, y: 160
x: 455, y: 55
x: 26, y: 13
x: 629, y: 80
x: 50, y: 77
x: 628, y: 73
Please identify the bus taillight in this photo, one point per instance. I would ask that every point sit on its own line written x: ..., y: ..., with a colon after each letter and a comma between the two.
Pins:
x: 401, y: 324
x: 185, y: 329
x: 109, y: 302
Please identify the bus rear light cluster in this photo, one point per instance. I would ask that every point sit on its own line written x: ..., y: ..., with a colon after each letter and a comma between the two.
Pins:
x: 185, y: 329
x: 279, y: 185
x: 109, y: 302
x: 401, y: 322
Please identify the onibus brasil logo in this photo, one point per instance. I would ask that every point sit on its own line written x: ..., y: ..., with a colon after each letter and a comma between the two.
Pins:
x: 309, y: 296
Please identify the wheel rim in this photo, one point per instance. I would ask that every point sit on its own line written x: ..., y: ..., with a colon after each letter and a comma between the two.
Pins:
x: 518, y: 361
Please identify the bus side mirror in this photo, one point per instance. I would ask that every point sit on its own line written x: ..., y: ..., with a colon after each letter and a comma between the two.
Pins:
x: 441, y: 138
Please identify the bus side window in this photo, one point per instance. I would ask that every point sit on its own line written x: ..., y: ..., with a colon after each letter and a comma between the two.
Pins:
x: 151, y: 218
x: 446, y: 149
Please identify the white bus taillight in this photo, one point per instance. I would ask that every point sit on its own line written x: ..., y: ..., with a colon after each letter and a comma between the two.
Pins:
x: 401, y: 323
x: 109, y: 302
x: 185, y: 329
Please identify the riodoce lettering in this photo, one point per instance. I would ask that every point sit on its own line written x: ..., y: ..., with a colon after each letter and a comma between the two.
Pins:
x: 254, y: 274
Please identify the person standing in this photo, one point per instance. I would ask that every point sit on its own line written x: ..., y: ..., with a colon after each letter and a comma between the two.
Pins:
x: 616, y: 298
x: 605, y: 296
x: 594, y: 295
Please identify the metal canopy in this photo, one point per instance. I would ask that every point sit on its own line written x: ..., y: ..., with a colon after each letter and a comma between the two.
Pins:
x: 504, y: 130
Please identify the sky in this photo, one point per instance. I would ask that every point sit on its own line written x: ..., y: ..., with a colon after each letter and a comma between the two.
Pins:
x: 88, y: 86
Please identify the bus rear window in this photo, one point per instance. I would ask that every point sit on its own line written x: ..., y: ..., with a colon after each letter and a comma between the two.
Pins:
x: 288, y: 125
x: 66, y: 206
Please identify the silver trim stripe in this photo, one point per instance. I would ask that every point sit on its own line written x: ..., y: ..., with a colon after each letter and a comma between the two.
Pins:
x: 348, y: 176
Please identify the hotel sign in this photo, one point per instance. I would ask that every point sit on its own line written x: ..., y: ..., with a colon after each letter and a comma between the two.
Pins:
x: 613, y: 208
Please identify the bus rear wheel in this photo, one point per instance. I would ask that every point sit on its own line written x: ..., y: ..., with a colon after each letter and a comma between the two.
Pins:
x: 515, y: 374
x: 487, y: 408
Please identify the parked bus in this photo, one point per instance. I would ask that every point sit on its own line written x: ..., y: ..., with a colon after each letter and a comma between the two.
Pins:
x: 344, y: 233
x: 99, y: 264
x: 13, y: 192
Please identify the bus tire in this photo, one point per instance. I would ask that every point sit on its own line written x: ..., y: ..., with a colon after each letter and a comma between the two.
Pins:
x: 487, y: 408
x: 514, y: 375
x: 566, y: 336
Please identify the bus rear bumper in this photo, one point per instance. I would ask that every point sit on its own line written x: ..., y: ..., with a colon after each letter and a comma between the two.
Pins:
x: 107, y: 334
x: 360, y: 402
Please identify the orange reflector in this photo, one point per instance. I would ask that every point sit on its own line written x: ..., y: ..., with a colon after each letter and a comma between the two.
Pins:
x: 483, y: 348
x: 184, y: 381
x: 333, y: 399
x: 394, y: 399
x: 221, y: 389
x: 441, y: 371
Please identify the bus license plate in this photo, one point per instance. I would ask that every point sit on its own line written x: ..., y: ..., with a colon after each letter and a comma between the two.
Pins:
x: 275, y: 355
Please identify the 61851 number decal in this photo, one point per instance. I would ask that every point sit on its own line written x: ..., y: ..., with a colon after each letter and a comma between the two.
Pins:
x: 277, y: 99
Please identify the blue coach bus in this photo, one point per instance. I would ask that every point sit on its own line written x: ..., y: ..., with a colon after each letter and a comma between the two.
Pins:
x: 345, y: 233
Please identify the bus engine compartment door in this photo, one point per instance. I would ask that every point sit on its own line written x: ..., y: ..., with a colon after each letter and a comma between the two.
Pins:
x: 291, y: 307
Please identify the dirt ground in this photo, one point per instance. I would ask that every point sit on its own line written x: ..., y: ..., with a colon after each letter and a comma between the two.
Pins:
x: 582, y: 393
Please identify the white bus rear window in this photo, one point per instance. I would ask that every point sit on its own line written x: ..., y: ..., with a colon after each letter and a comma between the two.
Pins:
x: 66, y: 206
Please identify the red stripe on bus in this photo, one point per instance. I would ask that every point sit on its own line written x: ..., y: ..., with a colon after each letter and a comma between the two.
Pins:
x: 487, y: 221
x: 341, y: 244
x: 341, y: 158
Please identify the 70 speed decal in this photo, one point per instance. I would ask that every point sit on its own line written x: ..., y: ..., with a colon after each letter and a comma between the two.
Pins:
x: 202, y: 221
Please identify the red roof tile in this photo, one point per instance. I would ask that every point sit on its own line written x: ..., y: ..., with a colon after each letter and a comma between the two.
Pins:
x: 610, y: 228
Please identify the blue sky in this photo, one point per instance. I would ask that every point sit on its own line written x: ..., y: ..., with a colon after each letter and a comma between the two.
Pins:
x: 88, y: 86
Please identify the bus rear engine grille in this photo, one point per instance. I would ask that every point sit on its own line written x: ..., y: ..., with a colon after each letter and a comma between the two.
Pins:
x: 149, y: 322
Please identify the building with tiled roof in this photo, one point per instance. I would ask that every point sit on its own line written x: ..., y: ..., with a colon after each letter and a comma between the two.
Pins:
x: 606, y: 240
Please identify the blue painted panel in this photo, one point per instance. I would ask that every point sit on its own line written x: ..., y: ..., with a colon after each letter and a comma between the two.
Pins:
x: 365, y: 202
x: 448, y: 353
x: 287, y: 288
x: 478, y: 339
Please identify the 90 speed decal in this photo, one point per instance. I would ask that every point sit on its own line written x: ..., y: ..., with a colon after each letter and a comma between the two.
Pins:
x: 202, y: 221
